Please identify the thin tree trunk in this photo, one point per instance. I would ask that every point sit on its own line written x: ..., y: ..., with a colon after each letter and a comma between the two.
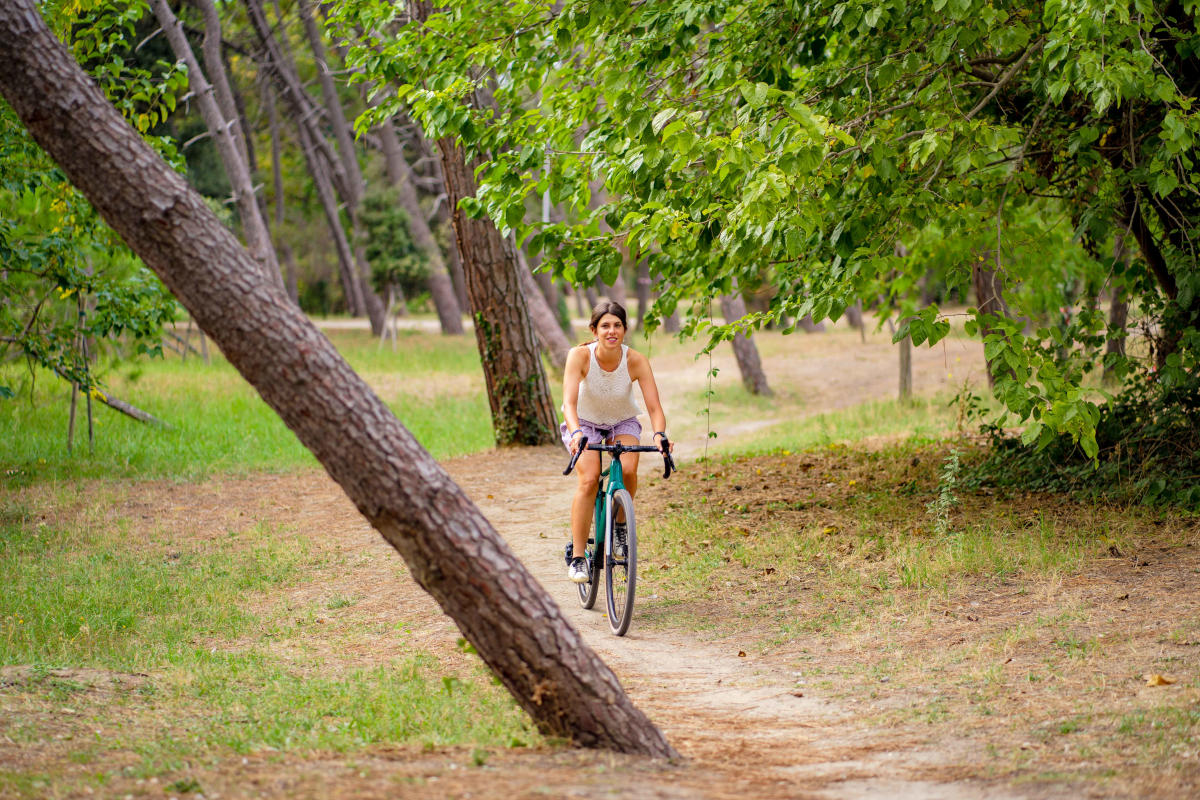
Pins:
x: 854, y: 315
x: 1118, y: 312
x: 334, y: 112
x: 745, y: 350
x: 807, y: 325
x: 449, y: 547
x: 580, y: 309
x: 214, y: 66
x: 643, y: 292
x: 322, y: 160
x: 223, y: 132
x: 671, y: 323
x: 989, y: 298
x: 444, y: 215
x: 291, y: 276
x: 71, y: 418
x: 401, y: 176
x: 347, y: 273
x: 906, y: 369
x: 354, y: 188
x: 550, y: 335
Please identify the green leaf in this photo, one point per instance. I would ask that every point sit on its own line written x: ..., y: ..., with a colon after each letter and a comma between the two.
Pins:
x: 662, y: 118
x: 755, y: 94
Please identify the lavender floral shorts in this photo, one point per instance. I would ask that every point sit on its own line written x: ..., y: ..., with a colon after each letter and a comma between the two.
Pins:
x: 597, y: 434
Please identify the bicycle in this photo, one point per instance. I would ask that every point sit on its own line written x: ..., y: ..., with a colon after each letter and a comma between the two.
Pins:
x: 620, y: 569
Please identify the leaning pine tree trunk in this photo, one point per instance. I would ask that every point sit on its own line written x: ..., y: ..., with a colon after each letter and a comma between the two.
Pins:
x: 449, y: 547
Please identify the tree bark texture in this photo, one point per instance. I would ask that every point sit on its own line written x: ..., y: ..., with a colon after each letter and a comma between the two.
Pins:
x: 746, y: 351
x: 449, y: 547
x: 519, y: 395
x: 214, y: 66
x: 225, y: 132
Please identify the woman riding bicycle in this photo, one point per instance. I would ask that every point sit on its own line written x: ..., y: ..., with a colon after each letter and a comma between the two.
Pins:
x: 598, y: 406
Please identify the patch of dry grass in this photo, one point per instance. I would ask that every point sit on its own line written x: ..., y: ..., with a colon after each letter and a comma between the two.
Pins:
x: 1034, y: 618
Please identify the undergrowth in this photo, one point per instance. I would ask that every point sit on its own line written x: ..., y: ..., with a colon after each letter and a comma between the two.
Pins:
x: 1149, y: 452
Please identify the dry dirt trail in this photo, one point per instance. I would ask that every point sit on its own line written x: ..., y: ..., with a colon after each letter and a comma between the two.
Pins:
x: 746, y: 727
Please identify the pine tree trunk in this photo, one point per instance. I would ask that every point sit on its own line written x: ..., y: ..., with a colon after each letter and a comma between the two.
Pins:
x: 355, y: 186
x: 854, y: 315
x: 323, y: 183
x: 402, y: 178
x: 291, y: 273
x: 753, y: 378
x: 519, y: 395
x: 449, y: 547
x: 545, y: 325
x: 337, y: 170
x: 226, y: 133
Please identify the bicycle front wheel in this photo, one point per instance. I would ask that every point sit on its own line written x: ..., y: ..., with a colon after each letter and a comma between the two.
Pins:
x: 589, y: 590
x: 620, y: 569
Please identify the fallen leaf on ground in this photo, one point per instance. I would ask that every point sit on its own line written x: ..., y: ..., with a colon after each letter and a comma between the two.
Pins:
x: 741, y: 653
x: 1154, y: 679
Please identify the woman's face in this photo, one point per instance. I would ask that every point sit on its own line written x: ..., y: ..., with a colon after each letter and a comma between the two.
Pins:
x: 610, y: 331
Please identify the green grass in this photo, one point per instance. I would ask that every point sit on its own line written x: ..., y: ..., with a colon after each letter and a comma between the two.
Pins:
x: 920, y: 420
x: 98, y: 597
x: 220, y: 425
x: 90, y: 597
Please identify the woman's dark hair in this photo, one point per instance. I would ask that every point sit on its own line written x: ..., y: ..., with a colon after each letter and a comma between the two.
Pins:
x: 608, y: 307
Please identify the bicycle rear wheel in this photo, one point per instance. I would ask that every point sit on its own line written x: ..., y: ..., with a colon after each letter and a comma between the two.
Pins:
x: 620, y: 574
x: 588, y: 591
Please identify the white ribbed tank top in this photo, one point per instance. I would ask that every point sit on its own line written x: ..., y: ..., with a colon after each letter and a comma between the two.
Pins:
x: 606, y: 398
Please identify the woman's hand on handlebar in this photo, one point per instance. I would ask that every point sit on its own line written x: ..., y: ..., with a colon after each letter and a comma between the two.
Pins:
x: 577, y: 441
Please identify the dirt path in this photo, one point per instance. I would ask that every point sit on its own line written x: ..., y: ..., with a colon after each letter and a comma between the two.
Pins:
x: 742, y: 723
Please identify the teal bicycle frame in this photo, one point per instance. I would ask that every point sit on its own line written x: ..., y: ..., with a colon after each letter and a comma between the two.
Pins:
x: 616, y: 481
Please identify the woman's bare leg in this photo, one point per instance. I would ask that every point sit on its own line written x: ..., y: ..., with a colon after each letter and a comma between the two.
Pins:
x: 584, y: 502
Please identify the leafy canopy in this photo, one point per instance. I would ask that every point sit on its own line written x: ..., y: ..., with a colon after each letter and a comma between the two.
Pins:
x: 802, y: 140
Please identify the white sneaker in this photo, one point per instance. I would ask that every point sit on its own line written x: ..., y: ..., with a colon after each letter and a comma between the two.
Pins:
x: 578, y: 571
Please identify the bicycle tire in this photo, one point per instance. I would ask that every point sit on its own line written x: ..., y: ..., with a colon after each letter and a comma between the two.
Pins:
x: 620, y: 575
x: 589, y: 590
